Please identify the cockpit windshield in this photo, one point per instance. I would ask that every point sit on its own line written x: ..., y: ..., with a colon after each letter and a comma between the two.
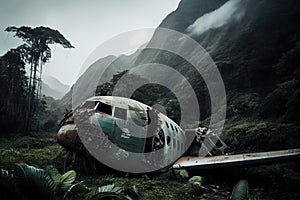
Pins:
x: 104, y: 108
x: 89, y: 105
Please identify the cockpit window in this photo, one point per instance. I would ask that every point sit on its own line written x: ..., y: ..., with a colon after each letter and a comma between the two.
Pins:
x: 104, y: 108
x: 120, y: 113
x: 89, y: 104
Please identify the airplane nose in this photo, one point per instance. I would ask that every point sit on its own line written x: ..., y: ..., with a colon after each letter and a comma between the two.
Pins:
x: 66, y: 136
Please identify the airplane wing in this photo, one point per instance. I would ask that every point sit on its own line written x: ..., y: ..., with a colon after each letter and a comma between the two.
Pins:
x: 238, y: 160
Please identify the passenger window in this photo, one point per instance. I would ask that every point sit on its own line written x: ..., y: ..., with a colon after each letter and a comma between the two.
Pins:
x: 168, y: 140
x: 120, y: 113
x: 167, y: 125
x: 104, y: 108
x: 176, y: 129
x: 172, y: 127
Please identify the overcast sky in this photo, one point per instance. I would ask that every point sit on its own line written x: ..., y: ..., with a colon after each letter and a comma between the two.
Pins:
x: 85, y: 23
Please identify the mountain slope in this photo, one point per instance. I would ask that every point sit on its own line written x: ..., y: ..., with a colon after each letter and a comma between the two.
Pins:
x: 255, y: 45
x: 247, y: 51
x: 257, y: 54
x: 53, y: 87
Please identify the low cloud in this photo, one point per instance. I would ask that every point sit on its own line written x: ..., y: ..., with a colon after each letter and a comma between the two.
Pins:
x: 217, y: 18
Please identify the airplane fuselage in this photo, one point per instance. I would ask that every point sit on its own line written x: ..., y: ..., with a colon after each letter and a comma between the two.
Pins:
x: 130, y: 125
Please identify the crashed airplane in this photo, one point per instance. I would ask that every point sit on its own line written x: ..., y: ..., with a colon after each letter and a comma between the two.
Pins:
x: 132, y: 126
x: 105, y: 121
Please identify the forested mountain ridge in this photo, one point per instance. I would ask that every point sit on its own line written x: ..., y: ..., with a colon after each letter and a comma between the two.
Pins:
x: 256, y: 51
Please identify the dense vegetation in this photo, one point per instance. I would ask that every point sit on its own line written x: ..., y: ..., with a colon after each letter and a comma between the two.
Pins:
x: 20, y: 99
x: 13, y: 96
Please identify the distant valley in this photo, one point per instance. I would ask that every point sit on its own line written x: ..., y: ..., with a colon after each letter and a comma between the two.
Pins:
x: 54, y: 88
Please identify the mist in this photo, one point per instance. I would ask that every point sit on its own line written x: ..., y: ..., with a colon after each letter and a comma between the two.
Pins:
x: 217, y: 18
x: 86, y: 24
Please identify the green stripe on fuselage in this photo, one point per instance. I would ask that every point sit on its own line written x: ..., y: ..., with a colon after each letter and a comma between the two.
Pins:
x: 110, y: 127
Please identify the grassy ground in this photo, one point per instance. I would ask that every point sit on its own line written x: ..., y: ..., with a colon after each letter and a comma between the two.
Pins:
x: 37, y: 149
x: 40, y: 150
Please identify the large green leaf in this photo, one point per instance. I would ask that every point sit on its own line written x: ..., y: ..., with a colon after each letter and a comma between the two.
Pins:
x: 74, y: 187
x: 35, y: 183
x: 65, y: 181
x: 54, y: 173
x: 240, y: 191
x: 112, y: 192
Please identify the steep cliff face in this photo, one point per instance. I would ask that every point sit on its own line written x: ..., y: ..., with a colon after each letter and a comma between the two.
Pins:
x: 253, y: 43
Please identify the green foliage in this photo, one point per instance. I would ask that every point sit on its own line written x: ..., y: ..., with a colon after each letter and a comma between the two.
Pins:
x: 112, y: 192
x: 65, y: 181
x: 276, y: 103
x: 240, y: 191
x: 54, y: 173
x: 75, y: 187
x: 45, y: 34
x: 179, y: 174
x: 50, y: 115
x: 37, y: 149
x: 35, y: 183
x: 254, y: 135
x: 19, y: 101
x: 13, y: 86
